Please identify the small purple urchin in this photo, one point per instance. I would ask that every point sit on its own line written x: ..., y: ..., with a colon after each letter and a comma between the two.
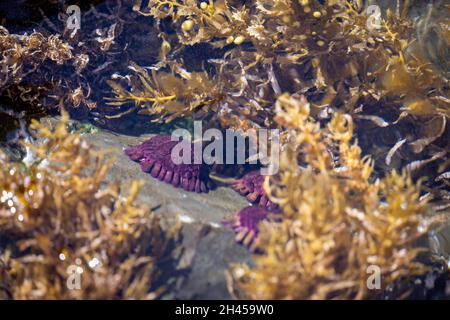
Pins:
x: 154, y: 156
x: 245, y: 224
x: 251, y: 186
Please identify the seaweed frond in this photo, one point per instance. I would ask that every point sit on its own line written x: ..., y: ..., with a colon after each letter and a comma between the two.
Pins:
x: 22, y: 54
x: 338, y: 220
x: 60, y: 221
x: 386, y: 77
x: 169, y: 95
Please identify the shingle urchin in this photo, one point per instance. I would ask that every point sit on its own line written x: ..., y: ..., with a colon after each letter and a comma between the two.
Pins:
x: 251, y: 186
x: 245, y: 224
x: 154, y: 156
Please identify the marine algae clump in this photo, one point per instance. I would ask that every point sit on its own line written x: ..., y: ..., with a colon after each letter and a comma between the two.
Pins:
x: 338, y: 221
x: 228, y: 61
x: 68, y: 234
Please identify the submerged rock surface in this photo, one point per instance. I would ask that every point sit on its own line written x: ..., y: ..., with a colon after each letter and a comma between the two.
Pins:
x: 210, y: 247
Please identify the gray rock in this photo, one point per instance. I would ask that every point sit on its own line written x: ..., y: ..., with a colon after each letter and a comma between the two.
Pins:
x: 209, y: 247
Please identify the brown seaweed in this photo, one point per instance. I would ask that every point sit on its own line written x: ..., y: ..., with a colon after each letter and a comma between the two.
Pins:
x: 61, y: 219
x: 337, y: 221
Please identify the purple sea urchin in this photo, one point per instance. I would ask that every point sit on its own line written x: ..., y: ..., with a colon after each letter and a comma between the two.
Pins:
x: 251, y: 186
x: 154, y: 156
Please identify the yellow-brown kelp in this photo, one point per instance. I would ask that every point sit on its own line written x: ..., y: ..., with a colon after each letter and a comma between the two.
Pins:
x: 338, y: 222
x: 383, y: 75
x: 61, y: 222
x: 23, y: 55
x: 26, y: 83
x: 58, y: 67
x: 326, y: 46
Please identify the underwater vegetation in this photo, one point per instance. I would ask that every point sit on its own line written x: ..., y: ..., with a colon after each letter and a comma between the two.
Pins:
x: 111, y: 35
x: 337, y: 220
x: 363, y: 110
x: 21, y: 55
x: 392, y: 78
x: 59, y: 218
x: 28, y: 62
x: 226, y: 62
